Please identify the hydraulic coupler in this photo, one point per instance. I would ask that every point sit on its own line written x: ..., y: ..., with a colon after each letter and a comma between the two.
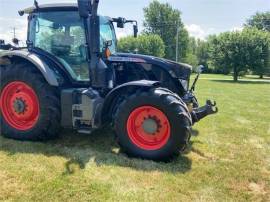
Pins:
x: 201, y: 112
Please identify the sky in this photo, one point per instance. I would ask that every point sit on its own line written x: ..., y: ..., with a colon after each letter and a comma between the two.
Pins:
x: 201, y: 17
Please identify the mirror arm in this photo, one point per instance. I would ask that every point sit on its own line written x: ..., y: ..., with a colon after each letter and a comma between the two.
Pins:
x: 36, y: 4
x: 200, y: 69
x: 195, y: 81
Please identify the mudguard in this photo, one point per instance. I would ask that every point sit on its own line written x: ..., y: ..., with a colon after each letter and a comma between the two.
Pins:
x: 112, y: 97
x: 36, y: 61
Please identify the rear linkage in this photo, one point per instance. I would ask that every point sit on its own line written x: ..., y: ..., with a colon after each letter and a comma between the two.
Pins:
x: 198, y: 113
x: 201, y: 112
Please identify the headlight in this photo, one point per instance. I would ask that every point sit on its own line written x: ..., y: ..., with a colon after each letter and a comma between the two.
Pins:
x: 184, y: 83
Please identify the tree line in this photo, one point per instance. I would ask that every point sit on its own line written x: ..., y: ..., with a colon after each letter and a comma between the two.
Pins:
x: 237, y: 52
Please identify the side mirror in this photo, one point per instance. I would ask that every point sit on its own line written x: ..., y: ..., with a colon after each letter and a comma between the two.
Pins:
x: 106, y: 50
x: 107, y: 43
x: 135, y: 30
x: 120, y: 22
x: 84, y: 8
x: 200, y: 69
x: 15, y: 41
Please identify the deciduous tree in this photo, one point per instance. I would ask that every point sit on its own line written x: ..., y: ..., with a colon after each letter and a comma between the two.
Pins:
x: 241, y: 51
x: 144, y: 44
x: 260, y: 20
x: 163, y: 20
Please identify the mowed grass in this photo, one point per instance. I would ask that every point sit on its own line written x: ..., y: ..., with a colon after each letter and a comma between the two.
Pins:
x: 228, y: 158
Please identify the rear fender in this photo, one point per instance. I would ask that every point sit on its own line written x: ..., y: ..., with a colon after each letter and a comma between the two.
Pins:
x: 113, y: 97
x: 48, y: 74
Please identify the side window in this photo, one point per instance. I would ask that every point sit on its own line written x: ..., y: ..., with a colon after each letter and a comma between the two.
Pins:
x: 45, y: 33
x: 107, y: 34
x: 62, y: 34
x: 77, y: 33
x: 78, y: 52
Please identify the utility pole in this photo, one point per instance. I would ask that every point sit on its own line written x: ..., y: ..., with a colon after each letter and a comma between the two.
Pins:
x: 177, y: 42
x: 14, y: 32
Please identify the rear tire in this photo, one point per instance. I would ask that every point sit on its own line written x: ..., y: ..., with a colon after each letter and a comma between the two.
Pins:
x: 153, y: 125
x: 30, y: 107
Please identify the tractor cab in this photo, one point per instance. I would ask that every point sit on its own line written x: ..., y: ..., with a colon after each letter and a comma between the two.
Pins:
x: 59, y: 30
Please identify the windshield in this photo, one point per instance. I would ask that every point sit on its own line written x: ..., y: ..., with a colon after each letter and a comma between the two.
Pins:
x: 62, y: 34
x: 107, y: 33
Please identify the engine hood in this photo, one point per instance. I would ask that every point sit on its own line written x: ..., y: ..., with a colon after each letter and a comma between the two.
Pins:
x: 176, y: 70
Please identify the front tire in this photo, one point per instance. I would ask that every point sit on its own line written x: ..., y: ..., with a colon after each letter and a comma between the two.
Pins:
x: 153, y: 125
x: 30, y: 107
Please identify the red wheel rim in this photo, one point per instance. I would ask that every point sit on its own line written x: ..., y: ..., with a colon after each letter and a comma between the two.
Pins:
x: 151, y: 137
x: 19, y: 105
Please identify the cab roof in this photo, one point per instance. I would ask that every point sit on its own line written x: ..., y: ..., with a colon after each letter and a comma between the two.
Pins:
x: 50, y: 7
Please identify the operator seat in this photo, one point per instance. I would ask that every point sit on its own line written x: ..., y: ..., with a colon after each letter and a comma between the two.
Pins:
x: 61, y: 45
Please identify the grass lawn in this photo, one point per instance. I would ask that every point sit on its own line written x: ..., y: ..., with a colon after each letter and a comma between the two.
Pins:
x: 228, y: 158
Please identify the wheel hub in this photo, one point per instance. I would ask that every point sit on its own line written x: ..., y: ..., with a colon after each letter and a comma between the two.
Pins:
x: 151, y: 125
x: 148, y: 128
x: 19, y: 106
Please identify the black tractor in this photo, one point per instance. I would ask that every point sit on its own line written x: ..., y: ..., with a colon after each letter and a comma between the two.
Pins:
x: 71, y: 76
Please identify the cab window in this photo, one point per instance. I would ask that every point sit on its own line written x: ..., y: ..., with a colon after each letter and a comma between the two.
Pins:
x: 62, y: 34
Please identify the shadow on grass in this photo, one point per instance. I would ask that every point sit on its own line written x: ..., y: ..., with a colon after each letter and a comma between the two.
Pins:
x: 257, y: 78
x: 195, y: 132
x: 99, y: 148
x: 240, y: 81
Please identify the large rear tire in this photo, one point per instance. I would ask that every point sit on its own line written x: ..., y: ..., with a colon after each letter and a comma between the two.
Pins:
x: 30, y: 107
x: 153, y: 125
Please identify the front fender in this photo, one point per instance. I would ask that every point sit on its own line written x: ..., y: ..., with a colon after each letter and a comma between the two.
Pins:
x: 36, y: 61
x: 112, y: 98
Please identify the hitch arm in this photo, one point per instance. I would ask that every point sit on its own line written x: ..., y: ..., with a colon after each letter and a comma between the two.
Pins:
x: 200, y: 70
x: 202, y: 112
x: 194, y: 83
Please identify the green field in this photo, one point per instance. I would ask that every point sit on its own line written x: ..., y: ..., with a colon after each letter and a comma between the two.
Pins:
x: 228, y: 158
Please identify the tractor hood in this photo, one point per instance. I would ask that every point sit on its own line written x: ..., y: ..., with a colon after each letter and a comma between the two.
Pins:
x: 176, y: 70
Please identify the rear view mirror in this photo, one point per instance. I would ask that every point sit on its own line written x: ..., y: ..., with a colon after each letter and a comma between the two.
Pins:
x: 135, y: 30
x: 15, y: 41
x: 200, y: 69
x: 120, y: 22
x: 84, y: 8
x: 107, y: 43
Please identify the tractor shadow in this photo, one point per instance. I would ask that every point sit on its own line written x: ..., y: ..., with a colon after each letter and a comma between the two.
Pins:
x: 194, y: 133
x: 99, y: 148
x: 265, y: 81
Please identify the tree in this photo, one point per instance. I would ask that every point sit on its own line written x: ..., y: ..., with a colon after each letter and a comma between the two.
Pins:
x: 163, y: 20
x: 259, y: 51
x: 229, y: 53
x: 191, y: 57
x: 202, y: 53
x: 143, y: 44
x: 241, y: 51
x: 127, y: 44
x: 260, y: 21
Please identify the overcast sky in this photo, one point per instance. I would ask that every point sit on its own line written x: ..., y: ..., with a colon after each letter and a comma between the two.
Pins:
x: 201, y: 17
